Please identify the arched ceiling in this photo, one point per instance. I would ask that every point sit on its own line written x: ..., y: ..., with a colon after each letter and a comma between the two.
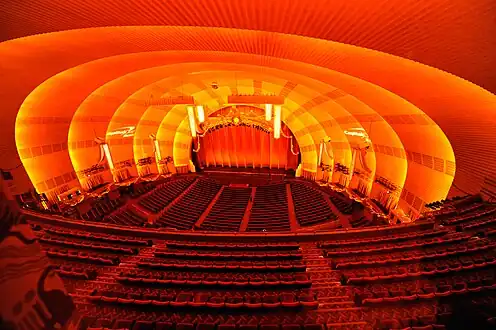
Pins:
x: 454, y: 35
x: 344, y: 75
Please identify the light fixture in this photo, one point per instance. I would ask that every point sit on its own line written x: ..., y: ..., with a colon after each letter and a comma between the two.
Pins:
x: 192, y: 124
x: 320, y: 152
x: 277, y: 121
x: 268, y: 112
x: 106, y: 151
x: 201, y: 113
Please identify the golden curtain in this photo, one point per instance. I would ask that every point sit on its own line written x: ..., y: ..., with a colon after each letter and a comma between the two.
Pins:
x: 247, y: 147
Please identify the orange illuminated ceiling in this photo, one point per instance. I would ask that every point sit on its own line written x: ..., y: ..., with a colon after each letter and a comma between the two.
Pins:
x: 412, y: 73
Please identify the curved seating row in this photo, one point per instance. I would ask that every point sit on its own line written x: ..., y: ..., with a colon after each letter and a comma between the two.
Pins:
x: 310, y: 206
x: 228, y: 211
x: 165, y: 194
x: 97, y: 237
x: 234, y: 246
x: 125, y: 218
x: 209, y: 280
x: 384, y: 248
x: 417, y: 256
x: 76, y: 272
x: 469, y: 217
x: 383, y: 239
x: 270, y: 209
x: 427, y: 271
x: 183, y: 214
x: 87, y: 245
x: 206, y: 300
x: 209, y: 266
x: 433, y: 292
x: 294, y: 255
x: 82, y: 257
x: 125, y: 324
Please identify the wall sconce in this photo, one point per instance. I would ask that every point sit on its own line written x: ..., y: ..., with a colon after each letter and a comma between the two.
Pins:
x: 201, y: 113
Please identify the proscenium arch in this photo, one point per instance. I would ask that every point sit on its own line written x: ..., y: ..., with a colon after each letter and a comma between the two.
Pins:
x: 355, y: 62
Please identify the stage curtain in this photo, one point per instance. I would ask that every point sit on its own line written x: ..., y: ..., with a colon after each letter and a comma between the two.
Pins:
x: 246, y: 147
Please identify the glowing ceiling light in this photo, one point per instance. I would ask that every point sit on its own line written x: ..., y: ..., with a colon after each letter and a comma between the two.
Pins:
x: 201, y: 113
x: 268, y: 112
x: 106, y: 151
x: 277, y: 121
x: 192, y: 124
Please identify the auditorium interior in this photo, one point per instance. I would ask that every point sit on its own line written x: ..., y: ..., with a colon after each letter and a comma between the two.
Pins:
x: 247, y: 165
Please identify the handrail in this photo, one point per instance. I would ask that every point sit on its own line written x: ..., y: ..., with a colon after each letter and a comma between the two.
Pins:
x: 162, y: 233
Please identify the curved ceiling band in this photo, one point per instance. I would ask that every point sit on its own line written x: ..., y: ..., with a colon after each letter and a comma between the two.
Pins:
x: 102, y: 102
x: 107, y: 97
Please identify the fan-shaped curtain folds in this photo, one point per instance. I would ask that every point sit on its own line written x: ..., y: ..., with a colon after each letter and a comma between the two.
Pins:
x: 246, y: 147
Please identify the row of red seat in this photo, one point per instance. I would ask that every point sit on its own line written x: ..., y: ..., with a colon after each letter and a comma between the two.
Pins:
x: 293, y: 255
x: 384, y: 248
x: 383, y: 239
x: 46, y: 239
x: 357, y: 279
x: 102, y: 207
x: 205, y: 299
x: 165, y: 194
x: 188, y: 209
x: 214, y: 280
x: 210, y: 266
x: 417, y: 256
x: 228, y: 211
x: 369, y: 298
x: 76, y: 272
x: 97, y: 237
x: 82, y: 256
x: 89, y: 323
x: 270, y: 209
x: 480, y: 223
x: 310, y: 206
x: 469, y: 217
x: 125, y: 218
x: 234, y: 246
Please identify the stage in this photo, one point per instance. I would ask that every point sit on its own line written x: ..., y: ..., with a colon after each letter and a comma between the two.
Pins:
x: 247, y: 175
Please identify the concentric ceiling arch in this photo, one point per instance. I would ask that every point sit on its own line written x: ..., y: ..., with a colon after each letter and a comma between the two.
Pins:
x: 379, y: 91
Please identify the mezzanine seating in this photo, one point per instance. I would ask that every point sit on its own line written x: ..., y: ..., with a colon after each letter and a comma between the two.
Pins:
x: 270, y: 209
x: 228, y: 210
x: 311, y: 207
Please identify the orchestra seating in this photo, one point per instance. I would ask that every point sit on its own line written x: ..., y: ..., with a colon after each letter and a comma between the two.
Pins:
x: 270, y: 209
x: 101, y: 207
x: 228, y: 210
x: 402, y: 277
x: 342, y: 202
x: 190, y: 207
x: 125, y: 218
x: 310, y: 205
x: 165, y: 194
